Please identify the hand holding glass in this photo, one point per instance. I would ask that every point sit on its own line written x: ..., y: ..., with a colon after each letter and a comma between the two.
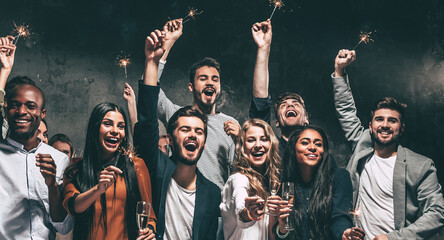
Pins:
x: 288, y: 195
x: 143, y: 211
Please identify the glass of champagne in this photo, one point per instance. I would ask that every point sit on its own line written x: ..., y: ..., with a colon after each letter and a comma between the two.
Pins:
x: 274, y: 188
x: 143, y: 211
x: 77, y: 155
x: 288, y: 195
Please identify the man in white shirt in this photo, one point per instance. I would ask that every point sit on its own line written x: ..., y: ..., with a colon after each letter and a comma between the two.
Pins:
x: 30, y: 170
x: 395, y: 189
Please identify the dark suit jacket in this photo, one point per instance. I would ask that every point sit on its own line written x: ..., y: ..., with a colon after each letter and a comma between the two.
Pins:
x: 161, y: 168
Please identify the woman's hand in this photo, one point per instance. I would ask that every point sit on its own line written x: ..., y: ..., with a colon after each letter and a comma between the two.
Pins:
x: 146, y: 234
x: 284, y: 212
x: 273, y: 203
x: 107, y: 178
x: 255, y: 206
x: 353, y: 234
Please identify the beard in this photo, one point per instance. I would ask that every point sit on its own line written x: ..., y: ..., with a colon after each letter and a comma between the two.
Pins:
x: 15, y: 131
x: 204, y: 105
x: 383, y: 143
x: 178, y: 156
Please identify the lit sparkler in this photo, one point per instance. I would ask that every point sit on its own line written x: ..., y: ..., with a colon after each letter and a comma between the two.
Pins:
x: 278, y: 4
x: 130, y: 152
x: 21, y: 30
x: 355, y: 214
x: 123, y: 61
x: 365, y: 38
x: 192, y: 13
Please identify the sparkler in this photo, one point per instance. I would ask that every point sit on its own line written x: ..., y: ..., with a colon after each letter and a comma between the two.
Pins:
x: 192, y: 13
x: 365, y: 38
x: 123, y: 60
x: 130, y: 152
x: 277, y: 4
x: 21, y: 30
x: 355, y: 214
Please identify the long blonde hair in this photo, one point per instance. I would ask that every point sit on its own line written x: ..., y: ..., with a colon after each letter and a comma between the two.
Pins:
x: 258, y: 182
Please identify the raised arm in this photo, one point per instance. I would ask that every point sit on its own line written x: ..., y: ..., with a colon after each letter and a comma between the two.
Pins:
x: 344, y: 102
x: 260, y: 105
x: 173, y: 31
x: 130, y: 97
x: 7, y: 54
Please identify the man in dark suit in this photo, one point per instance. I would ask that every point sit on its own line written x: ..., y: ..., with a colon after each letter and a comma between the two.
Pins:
x: 185, y: 202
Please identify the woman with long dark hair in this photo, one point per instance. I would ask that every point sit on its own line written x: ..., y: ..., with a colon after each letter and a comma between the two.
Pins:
x: 243, y: 197
x: 323, y: 193
x: 101, y: 191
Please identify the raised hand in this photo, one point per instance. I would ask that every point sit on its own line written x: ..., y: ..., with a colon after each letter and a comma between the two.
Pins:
x: 7, y: 52
x: 353, y: 234
x: 107, y: 178
x: 262, y: 34
x: 255, y: 206
x: 47, y: 167
x: 173, y: 31
x: 128, y: 94
x: 232, y: 129
x: 343, y: 59
x: 154, y: 46
x: 146, y: 234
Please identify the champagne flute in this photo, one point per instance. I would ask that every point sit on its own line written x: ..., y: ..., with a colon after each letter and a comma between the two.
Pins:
x: 274, y: 188
x: 288, y: 195
x: 143, y: 211
x: 77, y: 155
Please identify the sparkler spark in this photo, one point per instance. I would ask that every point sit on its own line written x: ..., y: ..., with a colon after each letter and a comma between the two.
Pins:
x: 123, y: 60
x: 365, y: 38
x: 22, y: 31
x: 130, y: 152
x: 192, y: 13
x: 278, y: 4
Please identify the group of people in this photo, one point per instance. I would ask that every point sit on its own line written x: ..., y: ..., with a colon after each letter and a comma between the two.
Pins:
x: 213, y: 179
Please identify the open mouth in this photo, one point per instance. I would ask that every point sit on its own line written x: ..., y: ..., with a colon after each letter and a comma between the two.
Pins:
x: 311, y: 156
x: 191, y: 145
x: 209, y: 91
x: 385, y: 133
x: 111, y: 141
x: 291, y: 113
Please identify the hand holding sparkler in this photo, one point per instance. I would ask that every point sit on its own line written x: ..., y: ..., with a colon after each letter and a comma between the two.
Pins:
x: 7, y: 53
x: 344, y: 58
x: 353, y: 234
x: 173, y: 30
x: 262, y: 34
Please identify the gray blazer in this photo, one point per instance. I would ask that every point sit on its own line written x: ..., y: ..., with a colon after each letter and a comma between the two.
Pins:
x: 418, y: 200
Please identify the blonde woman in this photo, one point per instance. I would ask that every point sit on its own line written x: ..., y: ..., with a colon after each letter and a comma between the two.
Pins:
x: 246, y: 191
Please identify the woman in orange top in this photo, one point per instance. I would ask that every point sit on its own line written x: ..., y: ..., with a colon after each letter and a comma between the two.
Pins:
x: 102, y: 190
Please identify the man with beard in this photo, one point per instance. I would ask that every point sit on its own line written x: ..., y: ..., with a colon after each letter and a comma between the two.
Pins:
x: 395, y: 189
x: 289, y: 107
x: 185, y: 202
x: 30, y: 170
x: 206, y: 87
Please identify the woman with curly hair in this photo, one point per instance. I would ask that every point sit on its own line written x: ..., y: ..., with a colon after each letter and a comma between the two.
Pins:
x: 322, y: 195
x: 101, y: 190
x: 246, y: 191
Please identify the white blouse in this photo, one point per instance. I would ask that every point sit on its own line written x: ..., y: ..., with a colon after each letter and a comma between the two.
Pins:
x: 233, y: 202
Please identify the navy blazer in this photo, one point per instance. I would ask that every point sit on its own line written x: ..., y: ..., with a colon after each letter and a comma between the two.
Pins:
x: 161, y: 168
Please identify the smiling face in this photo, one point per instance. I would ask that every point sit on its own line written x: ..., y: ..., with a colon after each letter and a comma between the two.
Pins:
x: 24, y: 111
x: 386, y: 127
x: 63, y: 147
x: 206, y: 87
x: 189, y: 140
x: 111, y: 133
x: 290, y: 113
x: 256, y: 146
x: 309, y: 148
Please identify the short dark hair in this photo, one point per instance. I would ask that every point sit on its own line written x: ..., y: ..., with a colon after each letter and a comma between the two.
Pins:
x: 208, y: 62
x: 60, y: 137
x: 188, y: 111
x: 288, y: 95
x: 389, y: 103
x: 21, y: 81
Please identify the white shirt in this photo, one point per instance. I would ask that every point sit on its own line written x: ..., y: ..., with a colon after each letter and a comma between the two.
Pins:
x: 233, y: 202
x: 24, y: 200
x: 375, y: 199
x: 179, y: 212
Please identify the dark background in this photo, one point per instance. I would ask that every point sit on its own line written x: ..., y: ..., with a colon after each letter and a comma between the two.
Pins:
x: 73, y: 49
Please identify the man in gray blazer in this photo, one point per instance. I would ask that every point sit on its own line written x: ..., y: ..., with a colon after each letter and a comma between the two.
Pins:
x: 395, y: 189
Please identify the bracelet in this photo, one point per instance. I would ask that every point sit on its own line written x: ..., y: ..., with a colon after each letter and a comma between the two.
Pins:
x: 279, y: 233
x: 253, y: 219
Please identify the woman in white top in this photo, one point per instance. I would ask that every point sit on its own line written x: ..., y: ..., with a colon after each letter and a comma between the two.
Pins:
x: 246, y: 191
